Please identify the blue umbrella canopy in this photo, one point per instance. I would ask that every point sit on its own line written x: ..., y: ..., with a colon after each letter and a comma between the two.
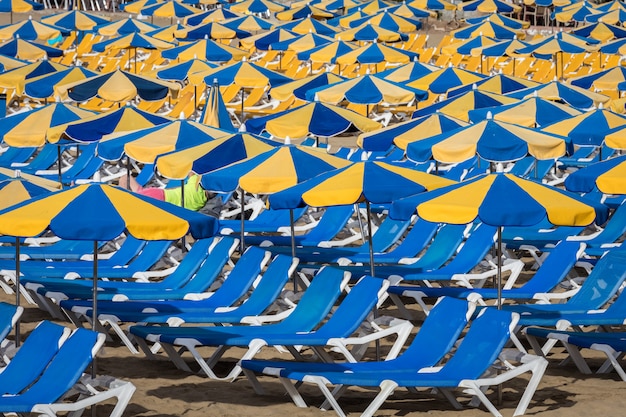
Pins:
x: 407, y: 72
x: 303, y: 26
x: 19, y: 6
x: 317, y: 40
x: 298, y: 88
x: 205, y: 49
x: 103, y: 212
x: 590, y: 177
x: 588, y: 129
x: 30, y: 128
x: 43, y: 87
x: 339, y: 48
x: 93, y: 128
x: 587, y: 30
x: 124, y: 27
x: 492, y: 140
x: 460, y: 105
x: 576, y: 97
x: 506, y: 84
x: 402, y: 134
x: 15, y: 48
x: 31, y: 30
x: 75, y: 20
x: 180, y: 72
x: 246, y: 75
x: 214, y: 15
x: 144, y: 145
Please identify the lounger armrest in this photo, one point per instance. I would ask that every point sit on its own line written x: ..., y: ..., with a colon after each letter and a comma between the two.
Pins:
x: 270, y: 318
x: 144, y: 276
x: 515, y: 266
x: 399, y: 327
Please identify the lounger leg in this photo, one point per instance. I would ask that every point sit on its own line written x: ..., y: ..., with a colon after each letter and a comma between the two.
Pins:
x: 477, y: 391
x: 336, y: 393
x: 387, y: 388
x: 175, y: 357
x: 254, y: 381
x: 254, y: 347
x: 330, y: 399
x: 293, y: 392
x: 537, y: 367
x: 112, y: 324
x: 577, y: 358
x: 613, y: 357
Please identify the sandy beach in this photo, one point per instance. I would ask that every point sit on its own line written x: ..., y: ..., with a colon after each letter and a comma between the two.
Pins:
x: 164, y: 391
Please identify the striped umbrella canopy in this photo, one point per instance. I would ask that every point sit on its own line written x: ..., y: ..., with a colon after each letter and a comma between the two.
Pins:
x: 302, y: 12
x: 368, y: 32
x: 492, y: 140
x: 612, y: 17
x: 570, y: 94
x: 459, y: 106
x: 432, y: 4
x: 166, y: 33
x: 489, y: 6
x: 124, y: 27
x: 248, y: 24
x: 30, y: 128
x: 31, y: 30
x: 615, y: 46
x: 615, y: 138
x: 117, y: 86
x: 262, y: 41
x: 576, y: 12
x: 246, y: 75
x: 16, y: 78
x: 606, y: 80
x: 368, y: 90
x: 375, y: 53
x: 499, y: 84
x: 499, y: 200
x: 169, y: 8
x: 181, y: 71
x: 93, y: 128
x: 402, y: 134
x: 42, y: 87
x: 600, y: 31
x: 9, y: 63
x: 310, y: 25
x: 440, y: 81
x: 317, y: 119
x: 257, y: 7
x: 588, y: 129
x: 488, y: 28
x: 502, y: 48
x: 19, y: 6
x: 212, y: 30
x: 75, y: 20
x: 326, y: 53
x: 549, y: 47
x: 607, y: 176
x: 344, y: 21
x: 530, y: 112
x: 214, y: 15
x: 301, y: 43
x: 465, y: 46
x: 211, y: 155
x: 499, y: 19
x: 214, y: 112
x: 371, y: 7
x: 389, y: 21
x: 404, y: 10
x: 338, y: 4
x: 407, y: 72
x: 135, y: 6
x: 298, y: 88
x: 29, y: 51
x: 144, y: 145
x: 273, y: 170
x: 132, y: 41
x: 206, y: 50
x: 15, y: 189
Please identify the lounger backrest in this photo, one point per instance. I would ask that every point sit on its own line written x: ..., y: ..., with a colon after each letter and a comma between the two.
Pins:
x: 66, y: 367
x: 32, y: 357
x: 438, y: 333
x: 331, y: 223
x: 241, y: 277
x: 480, y: 347
x: 209, y: 271
x: 443, y: 246
x: 9, y: 314
x: 556, y: 267
x: 129, y: 249
x: 603, y: 282
x: 475, y: 248
x: 416, y: 239
x: 269, y: 287
x: 613, y: 230
x: 387, y: 234
x: 354, y: 308
x: 317, y: 300
x: 189, y: 265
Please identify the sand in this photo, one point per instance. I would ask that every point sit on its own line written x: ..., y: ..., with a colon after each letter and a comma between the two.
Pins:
x: 164, y: 391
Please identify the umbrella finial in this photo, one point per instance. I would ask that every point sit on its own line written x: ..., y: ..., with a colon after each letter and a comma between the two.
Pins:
x: 287, y: 140
x: 244, y: 59
x: 17, y: 36
x: 489, y: 116
x: 242, y: 128
x: 415, y: 59
x: 600, y: 106
x: 474, y: 86
x: 206, y: 36
x: 17, y: 173
x: 181, y: 116
x: 535, y: 94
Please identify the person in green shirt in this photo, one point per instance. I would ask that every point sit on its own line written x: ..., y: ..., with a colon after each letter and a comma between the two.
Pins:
x: 195, y: 196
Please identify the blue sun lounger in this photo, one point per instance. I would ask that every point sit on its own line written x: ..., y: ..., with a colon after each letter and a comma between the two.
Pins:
x: 46, y: 392
x: 313, y: 307
x: 468, y: 369
x: 554, y: 270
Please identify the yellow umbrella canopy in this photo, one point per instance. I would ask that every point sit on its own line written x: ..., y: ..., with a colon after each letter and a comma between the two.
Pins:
x: 432, y: 4
x: 290, y: 89
x: 16, y: 78
x: 42, y: 32
x: 41, y: 182
x: 453, y: 48
x: 616, y: 139
x: 374, y: 33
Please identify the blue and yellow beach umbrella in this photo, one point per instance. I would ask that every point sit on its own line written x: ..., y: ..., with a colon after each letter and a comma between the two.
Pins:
x: 42, y: 87
x: 207, y: 50
x: 257, y: 7
x: 588, y: 129
x: 31, y: 30
x: 310, y: 25
x: 75, y: 20
x: 170, y: 8
x: 576, y: 97
x: 498, y: 84
x: 439, y: 82
x: 492, y: 140
x: 298, y: 88
x: 16, y: 78
x: 375, y: 53
x: 29, y: 51
x: 318, y: 119
x: 124, y: 27
x: 607, y: 176
x: 30, y: 129
x: 402, y: 134
x: 303, y: 11
x: 368, y: 32
x: 211, y: 155
x: 459, y: 106
x: 490, y: 6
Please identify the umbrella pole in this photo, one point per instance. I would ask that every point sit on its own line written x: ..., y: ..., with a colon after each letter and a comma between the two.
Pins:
x: 94, y: 306
x: 127, y: 172
x: 59, y: 164
x: 242, y: 108
x: 371, y: 250
x: 182, y: 204
x: 499, y: 276
x: 243, y: 223
x: 293, y: 246
x: 17, y: 289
